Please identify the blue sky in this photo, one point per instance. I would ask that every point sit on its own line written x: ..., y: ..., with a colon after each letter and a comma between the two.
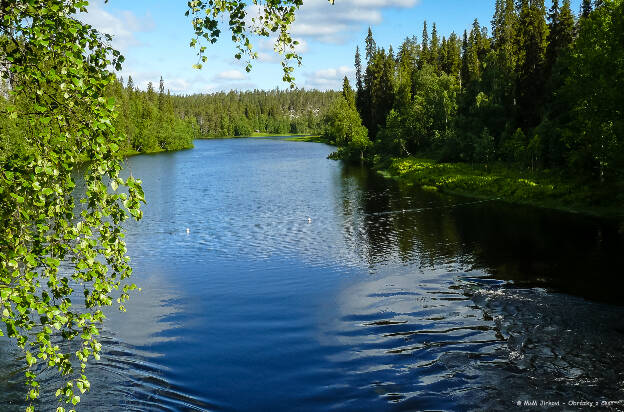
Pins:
x: 154, y: 37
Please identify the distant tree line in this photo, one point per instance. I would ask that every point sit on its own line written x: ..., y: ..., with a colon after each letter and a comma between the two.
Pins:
x: 544, y: 90
x: 241, y: 113
x: 149, y: 120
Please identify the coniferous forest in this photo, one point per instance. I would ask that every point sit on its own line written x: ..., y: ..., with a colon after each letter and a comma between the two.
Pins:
x: 244, y: 113
x: 540, y: 93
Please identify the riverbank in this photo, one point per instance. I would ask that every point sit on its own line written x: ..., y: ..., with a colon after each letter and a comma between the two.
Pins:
x: 131, y: 152
x: 309, y: 139
x: 542, y: 189
x: 257, y: 135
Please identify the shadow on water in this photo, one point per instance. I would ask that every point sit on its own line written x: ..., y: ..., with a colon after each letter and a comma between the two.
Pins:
x: 533, y: 247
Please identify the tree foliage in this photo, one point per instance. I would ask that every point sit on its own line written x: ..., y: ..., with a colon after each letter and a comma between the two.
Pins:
x: 61, y: 259
x: 344, y: 128
x: 541, y: 92
x: 241, y: 113
x: 271, y: 19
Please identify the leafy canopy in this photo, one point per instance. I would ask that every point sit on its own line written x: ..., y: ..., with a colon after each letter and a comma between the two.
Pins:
x: 62, y: 254
x: 269, y: 18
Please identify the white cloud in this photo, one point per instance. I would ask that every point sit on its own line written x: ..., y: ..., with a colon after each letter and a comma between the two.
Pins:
x: 230, y: 75
x: 266, y: 53
x: 328, y: 78
x: 176, y: 84
x: 123, y: 26
x: 335, y: 23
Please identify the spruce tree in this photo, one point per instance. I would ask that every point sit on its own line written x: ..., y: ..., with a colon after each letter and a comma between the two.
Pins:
x: 465, y: 72
x: 451, y: 55
x: 161, y: 95
x: 424, y: 48
x: 434, y: 49
x: 347, y: 92
x: 531, y: 80
x: 130, y: 86
x: 408, y: 54
x: 358, y: 70
x: 151, y: 94
x: 504, y: 44
x: 561, y: 33
x: 371, y: 47
x: 586, y: 8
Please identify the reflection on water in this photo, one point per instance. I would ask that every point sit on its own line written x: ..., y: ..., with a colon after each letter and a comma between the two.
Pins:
x: 303, y: 284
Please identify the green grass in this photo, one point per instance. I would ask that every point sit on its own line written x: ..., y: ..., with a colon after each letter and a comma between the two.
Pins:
x: 308, y: 138
x: 499, y: 181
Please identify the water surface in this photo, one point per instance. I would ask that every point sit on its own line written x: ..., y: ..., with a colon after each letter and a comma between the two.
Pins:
x: 304, y: 284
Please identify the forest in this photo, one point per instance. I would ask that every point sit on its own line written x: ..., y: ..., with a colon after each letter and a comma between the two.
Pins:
x: 146, y: 120
x: 154, y: 120
x: 242, y: 113
x: 541, y: 93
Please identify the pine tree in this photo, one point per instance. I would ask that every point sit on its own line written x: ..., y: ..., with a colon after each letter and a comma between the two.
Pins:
x: 380, y: 79
x: 151, y: 95
x: 130, y: 86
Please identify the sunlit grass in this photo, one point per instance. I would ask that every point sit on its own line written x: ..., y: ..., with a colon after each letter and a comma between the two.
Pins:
x: 502, y: 182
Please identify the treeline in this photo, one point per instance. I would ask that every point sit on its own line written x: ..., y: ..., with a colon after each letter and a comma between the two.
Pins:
x: 240, y: 113
x: 542, y: 91
x: 148, y: 119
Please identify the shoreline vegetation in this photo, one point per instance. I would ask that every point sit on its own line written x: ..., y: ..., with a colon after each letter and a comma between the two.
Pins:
x: 528, y: 112
x: 541, y: 188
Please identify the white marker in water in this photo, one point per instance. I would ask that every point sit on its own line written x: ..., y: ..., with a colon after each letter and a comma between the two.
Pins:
x: 188, y: 231
x: 309, y: 220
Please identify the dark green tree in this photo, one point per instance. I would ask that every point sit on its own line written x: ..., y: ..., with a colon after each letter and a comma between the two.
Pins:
x: 586, y: 8
x: 347, y: 92
x: 358, y: 70
x: 371, y: 46
x: 434, y: 48
x: 425, y: 57
x: 531, y: 77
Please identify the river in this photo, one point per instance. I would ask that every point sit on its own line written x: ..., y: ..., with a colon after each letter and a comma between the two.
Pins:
x: 303, y: 284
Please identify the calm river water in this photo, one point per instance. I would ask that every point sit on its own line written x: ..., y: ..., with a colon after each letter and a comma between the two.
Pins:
x: 306, y: 285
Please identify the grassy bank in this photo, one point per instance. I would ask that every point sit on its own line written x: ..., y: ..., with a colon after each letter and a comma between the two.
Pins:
x: 132, y: 152
x: 543, y: 189
x: 308, y: 138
